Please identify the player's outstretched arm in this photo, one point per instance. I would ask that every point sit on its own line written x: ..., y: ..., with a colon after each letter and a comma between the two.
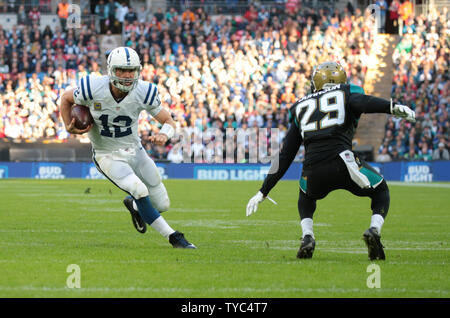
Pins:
x: 283, y: 160
x: 167, y: 130
x: 67, y: 102
x: 361, y: 103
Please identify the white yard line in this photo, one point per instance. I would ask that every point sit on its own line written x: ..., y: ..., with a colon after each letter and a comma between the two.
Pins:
x: 160, y: 291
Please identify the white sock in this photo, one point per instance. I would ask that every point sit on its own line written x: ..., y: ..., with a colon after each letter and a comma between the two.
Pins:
x: 162, y: 227
x: 377, y: 222
x: 307, y: 227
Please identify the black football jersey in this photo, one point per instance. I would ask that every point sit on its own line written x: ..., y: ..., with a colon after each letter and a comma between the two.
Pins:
x: 325, y: 122
x: 327, y: 119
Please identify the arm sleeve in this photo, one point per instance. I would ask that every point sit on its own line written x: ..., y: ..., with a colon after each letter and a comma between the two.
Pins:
x: 360, y: 103
x: 152, y: 102
x: 82, y: 94
x: 290, y: 147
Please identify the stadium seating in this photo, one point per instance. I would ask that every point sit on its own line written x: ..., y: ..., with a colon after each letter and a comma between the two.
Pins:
x: 260, y: 65
x: 421, y: 79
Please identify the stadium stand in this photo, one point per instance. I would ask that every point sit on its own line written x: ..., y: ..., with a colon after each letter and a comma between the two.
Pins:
x: 421, y: 79
x: 235, y: 65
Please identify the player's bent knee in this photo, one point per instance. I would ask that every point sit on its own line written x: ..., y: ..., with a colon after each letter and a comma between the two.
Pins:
x: 141, y: 190
x: 163, y: 205
x: 138, y: 189
x: 159, y: 197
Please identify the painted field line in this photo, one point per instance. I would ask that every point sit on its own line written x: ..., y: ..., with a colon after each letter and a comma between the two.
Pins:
x: 349, y: 250
x: 61, y: 231
x: 161, y: 291
x: 283, y: 261
x: 437, y: 245
x: 200, y: 210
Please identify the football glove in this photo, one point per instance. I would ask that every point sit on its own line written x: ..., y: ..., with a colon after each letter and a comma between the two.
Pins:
x: 252, y: 204
x: 403, y: 112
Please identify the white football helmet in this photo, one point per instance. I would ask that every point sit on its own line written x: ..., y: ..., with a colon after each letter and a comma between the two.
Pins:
x: 124, y: 58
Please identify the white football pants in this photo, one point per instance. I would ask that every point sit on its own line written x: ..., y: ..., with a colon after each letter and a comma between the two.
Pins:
x: 133, y: 171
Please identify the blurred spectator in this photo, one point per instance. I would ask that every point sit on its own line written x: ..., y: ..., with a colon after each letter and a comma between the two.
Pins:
x: 12, y: 6
x: 35, y: 16
x: 187, y: 16
x: 111, y: 8
x: 22, y: 17
x: 101, y: 12
x: 121, y: 12
x: 62, y: 11
x: 394, y: 15
x: 384, y: 156
x: 131, y: 16
x: 441, y: 153
x: 159, y: 15
x: 45, y: 6
x: 143, y: 15
x: 405, y: 13
x: 382, y: 4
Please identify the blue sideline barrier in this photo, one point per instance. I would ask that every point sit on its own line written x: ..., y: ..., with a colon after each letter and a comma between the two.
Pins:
x: 392, y: 171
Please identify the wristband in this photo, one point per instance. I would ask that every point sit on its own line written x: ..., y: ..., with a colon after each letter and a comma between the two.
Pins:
x: 167, y: 130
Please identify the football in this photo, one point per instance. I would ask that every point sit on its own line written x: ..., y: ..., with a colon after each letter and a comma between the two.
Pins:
x: 82, y: 115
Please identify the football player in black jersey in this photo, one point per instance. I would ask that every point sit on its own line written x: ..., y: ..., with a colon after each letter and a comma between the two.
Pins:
x: 325, y: 122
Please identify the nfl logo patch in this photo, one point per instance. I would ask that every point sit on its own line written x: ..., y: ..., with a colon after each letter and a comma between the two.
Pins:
x: 97, y: 106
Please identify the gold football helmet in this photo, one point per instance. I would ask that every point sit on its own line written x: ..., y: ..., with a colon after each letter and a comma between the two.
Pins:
x: 327, y: 73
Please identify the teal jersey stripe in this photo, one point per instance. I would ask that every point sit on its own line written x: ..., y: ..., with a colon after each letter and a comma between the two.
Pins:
x: 374, y: 178
x: 303, y: 184
x: 356, y: 89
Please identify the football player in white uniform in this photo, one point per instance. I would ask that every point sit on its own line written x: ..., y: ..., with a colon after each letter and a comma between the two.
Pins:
x: 115, y: 102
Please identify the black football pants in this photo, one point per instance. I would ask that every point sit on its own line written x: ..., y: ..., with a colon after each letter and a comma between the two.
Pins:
x: 332, y: 175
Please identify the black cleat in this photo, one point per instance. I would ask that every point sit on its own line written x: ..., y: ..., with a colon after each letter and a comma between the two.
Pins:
x: 178, y: 241
x: 307, y: 247
x: 374, y: 246
x: 137, y: 220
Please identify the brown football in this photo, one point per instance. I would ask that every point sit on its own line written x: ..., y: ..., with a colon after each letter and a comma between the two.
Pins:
x: 82, y: 115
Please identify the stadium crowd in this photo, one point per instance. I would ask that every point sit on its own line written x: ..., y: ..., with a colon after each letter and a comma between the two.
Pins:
x: 421, y: 79
x: 241, y: 71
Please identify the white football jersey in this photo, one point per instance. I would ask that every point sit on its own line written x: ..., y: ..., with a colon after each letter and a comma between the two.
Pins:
x: 116, y: 123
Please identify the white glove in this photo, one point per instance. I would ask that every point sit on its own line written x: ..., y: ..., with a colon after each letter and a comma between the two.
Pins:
x: 403, y: 112
x: 252, y: 205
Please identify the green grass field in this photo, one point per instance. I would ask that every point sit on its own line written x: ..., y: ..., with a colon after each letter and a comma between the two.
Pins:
x: 46, y: 225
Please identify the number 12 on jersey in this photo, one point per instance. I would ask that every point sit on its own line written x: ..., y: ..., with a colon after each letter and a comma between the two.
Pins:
x: 118, y: 132
x: 330, y: 102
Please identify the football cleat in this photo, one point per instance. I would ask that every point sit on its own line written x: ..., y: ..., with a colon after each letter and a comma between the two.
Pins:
x: 178, y: 240
x: 374, y: 246
x: 307, y: 247
x: 136, y: 218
